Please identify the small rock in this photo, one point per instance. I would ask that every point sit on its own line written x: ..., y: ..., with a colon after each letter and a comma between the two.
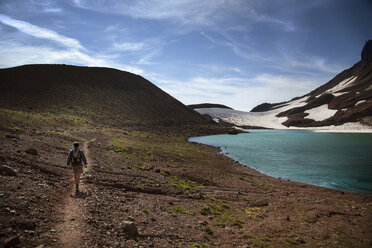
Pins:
x: 129, y: 228
x: 10, y: 137
x: 40, y: 246
x: 300, y: 240
x: 32, y: 151
x: 12, y: 241
x: 130, y: 218
x: 202, y: 222
x: 7, y: 171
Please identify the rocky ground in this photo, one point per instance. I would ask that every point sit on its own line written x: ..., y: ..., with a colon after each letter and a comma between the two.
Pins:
x: 175, y: 193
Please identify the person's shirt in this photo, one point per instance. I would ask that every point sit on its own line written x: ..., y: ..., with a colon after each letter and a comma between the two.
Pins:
x: 82, y: 156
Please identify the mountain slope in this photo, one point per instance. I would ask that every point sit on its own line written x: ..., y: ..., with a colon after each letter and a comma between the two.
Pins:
x: 96, y: 94
x: 207, y: 105
x: 345, y: 99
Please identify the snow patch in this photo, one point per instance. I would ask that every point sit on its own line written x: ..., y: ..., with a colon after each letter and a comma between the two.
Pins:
x: 349, y: 127
x: 362, y: 101
x: 339, y: 94
x: 342, y: 85
x: 320, y: 113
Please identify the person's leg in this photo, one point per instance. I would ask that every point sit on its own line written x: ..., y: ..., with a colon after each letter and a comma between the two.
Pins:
x: 77, y: 180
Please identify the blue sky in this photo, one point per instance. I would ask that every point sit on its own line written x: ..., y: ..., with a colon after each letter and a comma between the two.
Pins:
x: 235, y: 52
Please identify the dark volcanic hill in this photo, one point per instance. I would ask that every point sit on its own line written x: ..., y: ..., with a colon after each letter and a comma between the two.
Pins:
x: 207, y: 105
x: 98, y: 94
x: 350, y: 93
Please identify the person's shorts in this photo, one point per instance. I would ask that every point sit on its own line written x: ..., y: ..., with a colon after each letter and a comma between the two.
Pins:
x: 77, y: 169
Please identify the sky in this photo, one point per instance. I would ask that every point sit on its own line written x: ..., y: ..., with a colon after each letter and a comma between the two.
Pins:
x: 240, y: 53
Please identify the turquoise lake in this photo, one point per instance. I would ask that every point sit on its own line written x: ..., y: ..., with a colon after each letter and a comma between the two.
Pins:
x: 341, y: 161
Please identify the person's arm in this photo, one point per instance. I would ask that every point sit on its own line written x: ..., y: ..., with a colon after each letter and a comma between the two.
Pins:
x: 83, y: 157
x: 69, y: 157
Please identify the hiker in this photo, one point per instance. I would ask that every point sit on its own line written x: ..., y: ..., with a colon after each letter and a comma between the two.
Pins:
x: 76, y: 157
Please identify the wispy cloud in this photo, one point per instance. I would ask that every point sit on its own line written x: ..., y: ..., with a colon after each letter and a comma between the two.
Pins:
x: 307, y: 64
x: 18, y: 54
x: 276, y: 22
x: 14, y: 52
x: 241, y: 93
x: 182, y: 11
x: 39, y: 32
x: 128, y: 46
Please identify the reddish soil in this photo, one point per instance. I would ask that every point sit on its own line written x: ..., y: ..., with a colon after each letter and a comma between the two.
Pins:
x: 178, y: 194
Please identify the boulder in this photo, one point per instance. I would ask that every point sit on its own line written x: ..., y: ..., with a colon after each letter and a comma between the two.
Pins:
x: 7, y: 171
x: 32, y: 151
x: 12, y: 242
x: 129, y: 228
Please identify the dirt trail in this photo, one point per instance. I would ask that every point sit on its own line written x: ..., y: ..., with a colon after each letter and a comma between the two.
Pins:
x: 71, y: 230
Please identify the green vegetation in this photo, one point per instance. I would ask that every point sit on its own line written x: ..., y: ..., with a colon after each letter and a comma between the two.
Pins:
x: 224, y: 215
x: 165, y: 173
x: 197, y: 245
x: 253, y: 212
x: 205, y: 211
x: 43, y: 120
x: 146, y: 211
x: 181, y: 210
x: 14, y: 128
x: 139, y: 187
x: 187, y: 186
x: 208, y: 231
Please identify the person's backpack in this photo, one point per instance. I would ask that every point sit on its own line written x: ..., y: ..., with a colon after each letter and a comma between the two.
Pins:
x: 75, y: 158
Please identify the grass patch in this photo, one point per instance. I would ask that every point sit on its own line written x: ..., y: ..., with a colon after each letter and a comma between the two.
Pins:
x: 253, y: 212
x: 44, y: 120
x: 187, y: 186
x: 139, y: 187
x: 205, y: 211
x: 14, y: 128
x: 146, y: 211
x: 208, y: 231
x: 182, y: 210
x: 197, y: 245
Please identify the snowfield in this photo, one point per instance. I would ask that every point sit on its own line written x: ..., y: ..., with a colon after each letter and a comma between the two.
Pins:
x: 266, y: 119
x: 320, y: 113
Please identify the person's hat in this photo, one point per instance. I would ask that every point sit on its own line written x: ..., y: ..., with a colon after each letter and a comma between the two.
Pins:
x: 76, y: 144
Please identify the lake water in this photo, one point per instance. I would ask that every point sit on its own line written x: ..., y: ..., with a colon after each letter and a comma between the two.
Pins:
x: 335, y: 160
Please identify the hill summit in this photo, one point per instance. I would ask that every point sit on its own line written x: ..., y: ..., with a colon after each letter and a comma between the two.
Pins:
x: 97, y: 94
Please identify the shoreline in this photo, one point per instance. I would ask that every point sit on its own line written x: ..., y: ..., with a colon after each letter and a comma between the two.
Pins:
x: 235, y: 160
